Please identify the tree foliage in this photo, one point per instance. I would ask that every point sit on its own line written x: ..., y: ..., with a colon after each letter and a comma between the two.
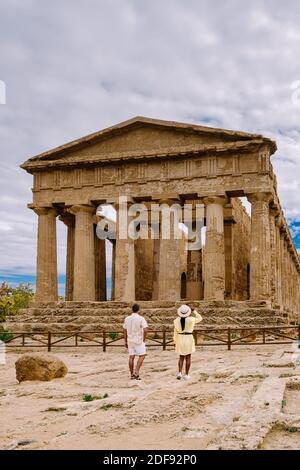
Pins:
x: 14, y: 298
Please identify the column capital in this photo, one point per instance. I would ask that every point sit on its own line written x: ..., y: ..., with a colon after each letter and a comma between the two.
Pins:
x: 259, y: 196
x: 169, y: 202
x: 274, y: 210
x: 173, y: 197
x: 120, y: 199
x: 67, y: 218
x: 82, y: 208
x: 43, y: 210
x: 279, y: 221
x: 221, y: 200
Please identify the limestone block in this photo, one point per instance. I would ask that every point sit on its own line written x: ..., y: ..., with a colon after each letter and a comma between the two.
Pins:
x: 37, y: 366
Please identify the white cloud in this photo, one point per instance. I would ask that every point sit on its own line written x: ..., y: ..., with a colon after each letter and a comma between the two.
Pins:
x: 74, y: 67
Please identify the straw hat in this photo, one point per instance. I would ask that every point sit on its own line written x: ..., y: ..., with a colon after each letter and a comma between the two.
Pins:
x: 184, y: 311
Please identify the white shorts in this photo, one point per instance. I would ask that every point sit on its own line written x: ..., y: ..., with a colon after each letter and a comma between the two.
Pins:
x: 137, y: 350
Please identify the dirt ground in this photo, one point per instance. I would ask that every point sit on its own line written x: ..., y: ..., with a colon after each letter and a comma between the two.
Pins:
x: 247, y: 398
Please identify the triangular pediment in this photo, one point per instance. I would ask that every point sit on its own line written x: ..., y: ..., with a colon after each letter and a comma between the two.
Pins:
x: 139, y: 137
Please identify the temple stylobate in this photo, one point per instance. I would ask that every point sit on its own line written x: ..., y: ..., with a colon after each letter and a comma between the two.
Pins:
x: 152, y: 161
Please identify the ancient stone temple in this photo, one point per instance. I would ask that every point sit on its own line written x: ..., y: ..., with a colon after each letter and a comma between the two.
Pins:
x: 246, y: 262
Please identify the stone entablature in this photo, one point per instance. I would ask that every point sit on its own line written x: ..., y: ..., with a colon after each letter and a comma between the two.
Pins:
x: 149, y: 160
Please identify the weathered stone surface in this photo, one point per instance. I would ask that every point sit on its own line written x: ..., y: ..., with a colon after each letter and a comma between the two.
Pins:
x: 233, y: 400
x: 38, y: 366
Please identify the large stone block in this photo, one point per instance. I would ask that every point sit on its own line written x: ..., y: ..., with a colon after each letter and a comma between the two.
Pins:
x: 37, y: 366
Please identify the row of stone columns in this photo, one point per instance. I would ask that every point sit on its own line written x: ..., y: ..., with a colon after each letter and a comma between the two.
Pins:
x: 288, y: 275
x: 80, y: 275
x: 266, y: 279
x: 272, y: 268
x: 85, y: 260
x: 274, y: 271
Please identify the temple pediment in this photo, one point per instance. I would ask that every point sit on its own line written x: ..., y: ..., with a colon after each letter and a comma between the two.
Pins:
x: 142, y: 137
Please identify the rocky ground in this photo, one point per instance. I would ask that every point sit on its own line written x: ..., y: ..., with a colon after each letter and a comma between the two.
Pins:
x: 246, y: 398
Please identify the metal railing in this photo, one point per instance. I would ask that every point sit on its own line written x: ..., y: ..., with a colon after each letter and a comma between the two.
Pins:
x: 163, y: 338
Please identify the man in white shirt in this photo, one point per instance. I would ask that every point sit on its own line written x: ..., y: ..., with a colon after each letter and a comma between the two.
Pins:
x: 135, y: 334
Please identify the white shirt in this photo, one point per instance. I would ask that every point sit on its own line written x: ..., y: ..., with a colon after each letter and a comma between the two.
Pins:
x: 135, y: 324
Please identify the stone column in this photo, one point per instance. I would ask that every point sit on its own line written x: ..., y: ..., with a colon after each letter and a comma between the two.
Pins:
x: 273, y: 254
x: 260, y: 262
x: 230, y: 275
x: 46, y: 266
x: 69, y: 220
x: 113, y: 270
x: 285, y: 271
x: 282, y: 262
x: 169, y: 276
x: 278, y: 225
x: 144, y: 259
x: 84, y: 259
x: 290, y: 277
x: 100, y: 268
x: 155, y: 234
x: 214, y: 255
x: 194, y: 275
x: 194, y: 263
x: 155, y: 268
x: 124, y: 287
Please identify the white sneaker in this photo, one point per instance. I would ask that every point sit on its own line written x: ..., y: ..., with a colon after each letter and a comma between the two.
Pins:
x: 186, y: 377
x: 179, y: 376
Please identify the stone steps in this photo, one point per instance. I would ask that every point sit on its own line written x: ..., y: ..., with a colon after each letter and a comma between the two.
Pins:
x: 107, y: 314
x: 147, y: 310
x: 93, y: 327
x: 112, y: 305
x: 78, y: 323
x: 80, y: 316
x: 168, y: 316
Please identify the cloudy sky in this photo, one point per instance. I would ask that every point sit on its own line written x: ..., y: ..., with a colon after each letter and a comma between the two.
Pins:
x: 72, y: 67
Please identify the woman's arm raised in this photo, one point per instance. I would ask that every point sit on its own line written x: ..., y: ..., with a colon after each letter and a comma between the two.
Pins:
x: 198, y: 317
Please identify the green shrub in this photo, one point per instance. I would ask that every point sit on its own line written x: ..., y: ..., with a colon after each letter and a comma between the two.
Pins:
x: 6, y: 336
x: 293, y: 429
x: 88, y: 397
x: 113, y: 335
x: 12, y: 299
x: 6, y: 307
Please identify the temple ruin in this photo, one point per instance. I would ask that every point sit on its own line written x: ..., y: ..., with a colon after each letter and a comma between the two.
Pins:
x: 246, y: 261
